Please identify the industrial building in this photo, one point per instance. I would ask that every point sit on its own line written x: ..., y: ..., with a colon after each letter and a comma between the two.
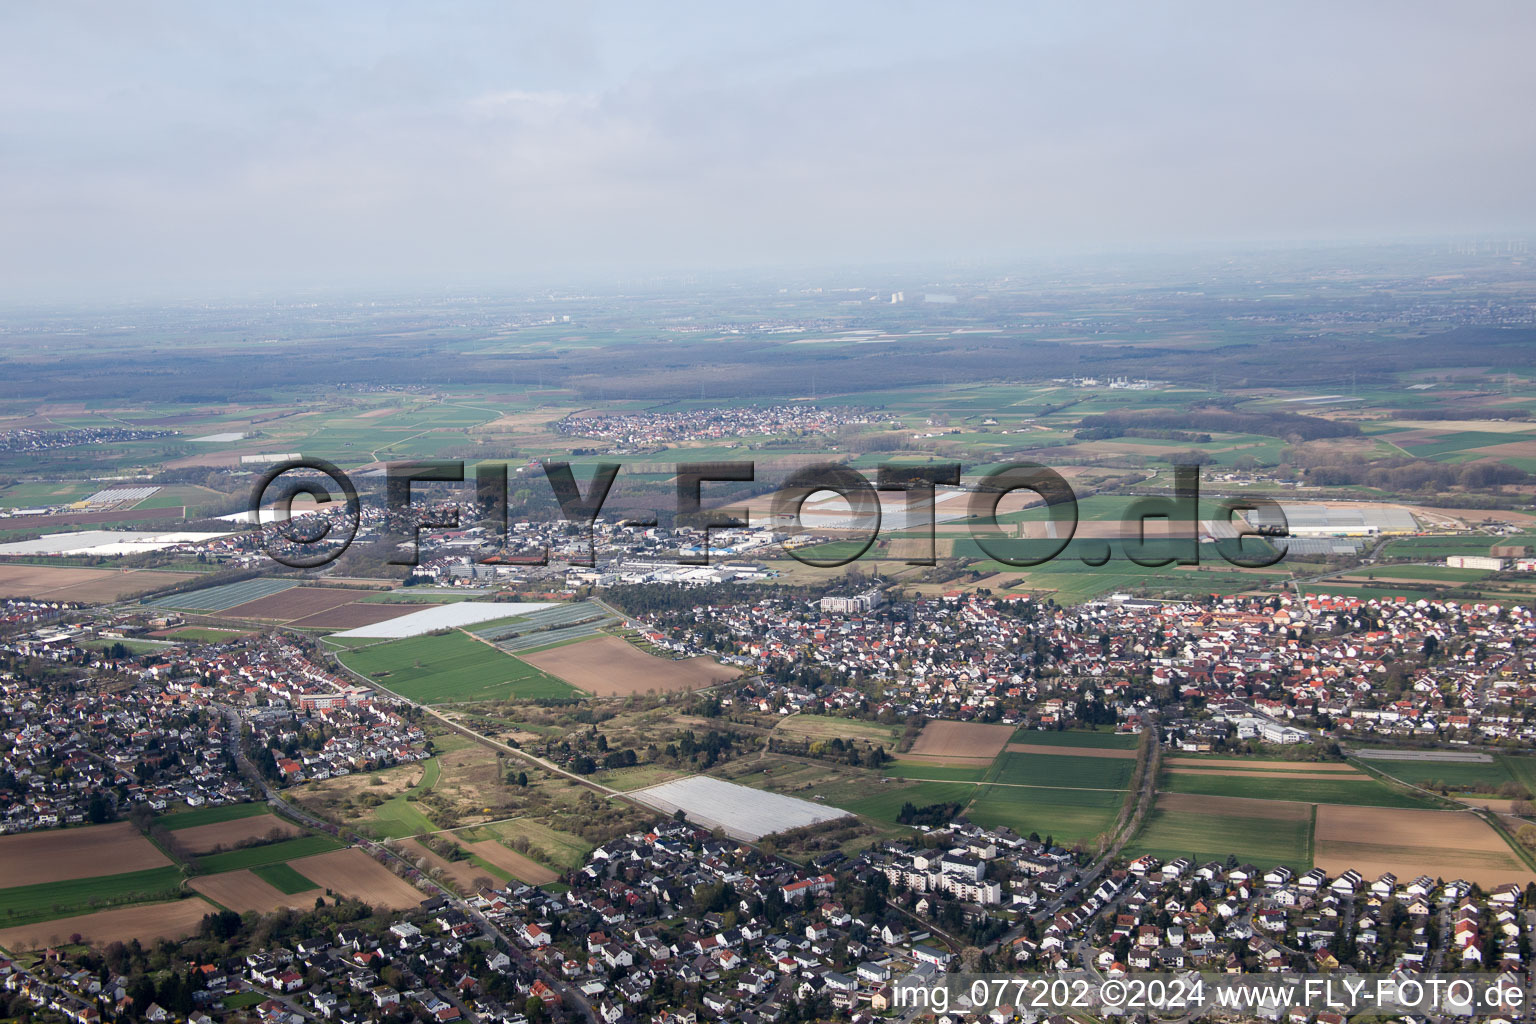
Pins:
x: 1315, y: 519
x: 1477, y: 562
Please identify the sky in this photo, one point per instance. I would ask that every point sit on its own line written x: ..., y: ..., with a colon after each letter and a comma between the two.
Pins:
x: 177, y: 148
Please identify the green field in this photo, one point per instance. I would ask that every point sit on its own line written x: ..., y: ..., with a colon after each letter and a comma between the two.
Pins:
x: 271, y: 853
x: 1456, y: 774
x: 1078, y: 738
x: 1205, y: 837
x: 283, y: 878
x: 1359, y: 791
x: 1067, y: 815
x: 946, y: 773
x: 210, y: 815
x: 886, y: 805
x: 451, y: 667
x: 399, y: 817
x: 1062, y: 770
x: 28, y: 903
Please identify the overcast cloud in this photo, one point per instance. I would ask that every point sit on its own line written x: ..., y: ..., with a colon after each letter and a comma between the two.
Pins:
x: 177, y: 147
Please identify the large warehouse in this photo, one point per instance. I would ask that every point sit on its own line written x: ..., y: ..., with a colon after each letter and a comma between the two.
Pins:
x: 1316, y: 519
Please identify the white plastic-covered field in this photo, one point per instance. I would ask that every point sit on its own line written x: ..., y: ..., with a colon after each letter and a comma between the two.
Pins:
x: 104, y: 542
x: 444, y: 616
x: 743, y: 812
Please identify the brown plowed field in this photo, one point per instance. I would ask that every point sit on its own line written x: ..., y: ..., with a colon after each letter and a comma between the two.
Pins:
x: 350, y: 616
x: 296, y: 603
x: 148, y: 922
x: 242, y: 892
x: 1409, y: 841
x: 87, y: 586
x: 960, y: 742
x: 56, y: 855
x: 529, y: 871
x: 609, y: 667
x: 229, y: 834
x: 352, y: 872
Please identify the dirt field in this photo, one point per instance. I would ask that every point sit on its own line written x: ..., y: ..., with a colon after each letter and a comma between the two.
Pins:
x: 350, y: 616
x: 59, y: 854
x: 352, y: 872
x: 463, y: 873
x: 609, y: 667
x: 228, y: 834
x: 1261, y: 766
x: 1236, y: 806
x: 1409, y: 842
x: 906, y: 548
x: 1045, y: 748
x: 63, y: 583
x: 148, y: 922
x: 242, y: 891
x: 297, y: 603
x: 521, y: 867
x: 960, y: 742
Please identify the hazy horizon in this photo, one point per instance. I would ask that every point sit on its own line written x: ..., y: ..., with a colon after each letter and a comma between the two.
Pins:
x: 187, y: 149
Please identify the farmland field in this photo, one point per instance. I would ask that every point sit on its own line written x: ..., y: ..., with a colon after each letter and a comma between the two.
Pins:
x: 283, y: 877
x: 512, y: 862
x: 963, y: 743
x: 57, y: 855
x: 271, y: 853
x: 1361, y: 790
x: 22, y: 904
x: 218, y: 598
x: 206, y: 838
x: 936, y: 772
x: 1046, y: 749
x: 1264, y: 832
x: 886, y: 802
x: 1408, y: 842
x: 348, y: 616
x: 147, y: 923
x: 245, y: 891
x: 294, y: 603
x: 87, y: 586
x: 1454, y: 775
x: 1062, y: 770
x: 1068, y: 815
x: 610, y: 667
x: 1257, y: 765
x: 211, y: 815
x: 353, y: 873
x: 1078, y: 738
x: 451, y: 667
